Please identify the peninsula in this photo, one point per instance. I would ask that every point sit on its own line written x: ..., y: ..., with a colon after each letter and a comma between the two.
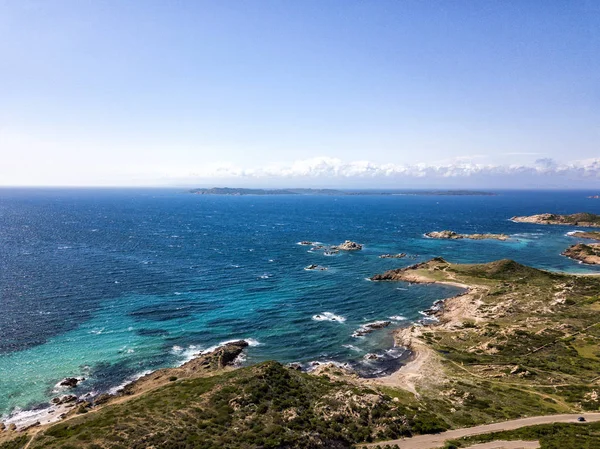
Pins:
x: 580, y: 219
x: 451, y: 235
x: 586, y: 253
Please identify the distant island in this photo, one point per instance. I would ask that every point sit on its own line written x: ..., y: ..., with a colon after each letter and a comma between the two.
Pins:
x: 242, y: 191
x: 580, y: 219
x: 451, y: 235
x: 594, y: 197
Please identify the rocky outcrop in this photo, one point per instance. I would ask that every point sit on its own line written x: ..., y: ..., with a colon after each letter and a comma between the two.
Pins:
x: 589, y: 254
x: 592, y: 235
x: 370, y: 327
x: 580, y: 219
x: 348, y: 246
x: 315, y: 267
x: 69, y: 398
x: 306, y: 242
x: 451, y: 235
x: 403, y: 274
x: 71, y: 382
x: 393, y: 256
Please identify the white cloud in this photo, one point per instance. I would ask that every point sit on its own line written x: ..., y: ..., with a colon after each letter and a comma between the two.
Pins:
x: 321, y: 167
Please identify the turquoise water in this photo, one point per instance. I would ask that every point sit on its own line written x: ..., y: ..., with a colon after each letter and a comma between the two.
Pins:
x: 108, y: 284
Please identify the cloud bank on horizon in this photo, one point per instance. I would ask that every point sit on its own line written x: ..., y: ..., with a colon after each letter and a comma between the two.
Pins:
x: 322, y: 171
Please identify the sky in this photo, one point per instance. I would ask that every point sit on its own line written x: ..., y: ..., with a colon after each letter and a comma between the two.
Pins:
x: 311, y: 93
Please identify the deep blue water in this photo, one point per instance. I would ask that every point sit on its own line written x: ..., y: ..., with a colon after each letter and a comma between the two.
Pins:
x: 106, y: 284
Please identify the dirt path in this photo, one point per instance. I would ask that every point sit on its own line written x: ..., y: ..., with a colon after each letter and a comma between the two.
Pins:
x: 437, y: 440
x: 507, y: 445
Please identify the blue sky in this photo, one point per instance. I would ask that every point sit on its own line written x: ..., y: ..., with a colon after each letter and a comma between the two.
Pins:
x: 307, y: 93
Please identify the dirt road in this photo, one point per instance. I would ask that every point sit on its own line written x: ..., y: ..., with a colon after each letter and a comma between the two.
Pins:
x: 437, y: 440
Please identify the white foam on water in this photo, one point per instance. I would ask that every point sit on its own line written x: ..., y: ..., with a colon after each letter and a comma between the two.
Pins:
x: 328, y: 316
x: 397, y: 318
x: 352, y: 348
x: 130, y: 379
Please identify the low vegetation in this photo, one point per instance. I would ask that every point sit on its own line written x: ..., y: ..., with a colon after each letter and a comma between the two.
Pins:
x: 550, y: 436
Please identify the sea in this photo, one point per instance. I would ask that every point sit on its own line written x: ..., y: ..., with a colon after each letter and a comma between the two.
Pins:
x: 109, y: 284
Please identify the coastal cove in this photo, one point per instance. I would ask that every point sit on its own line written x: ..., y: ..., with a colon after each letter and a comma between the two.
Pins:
x: 110, y: 284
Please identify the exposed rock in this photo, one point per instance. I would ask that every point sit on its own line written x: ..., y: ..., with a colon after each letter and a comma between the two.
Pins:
x: 393, y: 256
x: 30, y: 426
x: 348, y: 246
x: 371, y: 356
x: 12, y: 426
x: 315, y: 267
x: 370, y: 327
x: 295, y: 366
x: 306, y: 242
x: 102, y: 399
x: 589, y: 254
x: 581, y: 219
x: 64, y: 399
x: 2, y: 427
x: 451, y: 235
x: 71, y: 382
x: 592, y: 235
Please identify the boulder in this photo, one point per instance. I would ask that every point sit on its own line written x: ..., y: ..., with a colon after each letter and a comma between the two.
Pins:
x: 348, y: 246
x: 70, y: 382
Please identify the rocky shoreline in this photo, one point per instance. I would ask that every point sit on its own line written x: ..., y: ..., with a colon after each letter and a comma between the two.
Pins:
x: 592, y: 235
x: 65, y: 406
x: 585, y: 253
x: 451, y: 235
x: 583, y: 219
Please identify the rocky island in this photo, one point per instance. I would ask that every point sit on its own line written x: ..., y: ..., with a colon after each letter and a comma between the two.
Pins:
x: 451, y: 235
x: 586, y: 253
x: 592, y: 235
x: 580, y: 219
x: 348, y: 246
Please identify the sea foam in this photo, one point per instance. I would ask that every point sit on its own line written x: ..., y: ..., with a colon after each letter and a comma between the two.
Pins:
x: 328, y: 316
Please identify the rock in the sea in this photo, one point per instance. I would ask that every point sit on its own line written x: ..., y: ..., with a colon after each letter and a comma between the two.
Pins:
x: 370, y: 327
x: 315, y: 267
x: 348, y: 246
x: 306, y: 242
x: 70, y: 382
x: 371, y: 356
x: 393, y: 256
x: 451, y: 235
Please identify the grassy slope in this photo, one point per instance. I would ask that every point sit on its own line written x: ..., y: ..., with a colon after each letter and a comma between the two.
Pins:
x: 533, y: 348
x: 266, y: 406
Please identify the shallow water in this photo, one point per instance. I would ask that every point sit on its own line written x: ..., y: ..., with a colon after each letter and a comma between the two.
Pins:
x: 107, y: 284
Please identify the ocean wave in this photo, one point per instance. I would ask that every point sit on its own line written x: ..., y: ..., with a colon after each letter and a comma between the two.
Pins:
x: 328, y: 316
x: 352, y: 348
x: 397, y: 318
